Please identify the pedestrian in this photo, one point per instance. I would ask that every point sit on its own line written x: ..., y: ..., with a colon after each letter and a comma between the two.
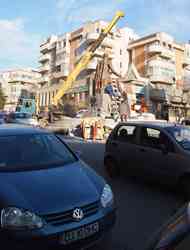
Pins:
x: 124, y: 108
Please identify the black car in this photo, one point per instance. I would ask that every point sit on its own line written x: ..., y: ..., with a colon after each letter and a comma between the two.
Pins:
x: 159, y: 152
x: 48, y: 196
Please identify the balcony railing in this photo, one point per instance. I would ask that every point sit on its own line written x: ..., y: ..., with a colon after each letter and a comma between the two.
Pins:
x: 164, y: 52
x: 43, y: 79
x: 61, y: 74
x: 64, y: 60
x: 44, y: 58
x: 161, y: 78
x: 92, y: 65
x: 44, y: 68
x: 92, y: 36
x: 186, y: 82
x: 161, y: 63
x: 186, y: 61
x: 154, y: 49
x: 44, y: 47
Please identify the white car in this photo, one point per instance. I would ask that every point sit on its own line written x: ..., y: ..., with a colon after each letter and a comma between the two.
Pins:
x: 81, y: 113
x: 23, y: 118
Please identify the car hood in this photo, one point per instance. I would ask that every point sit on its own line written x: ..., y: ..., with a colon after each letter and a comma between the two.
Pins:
x: 50, y: 190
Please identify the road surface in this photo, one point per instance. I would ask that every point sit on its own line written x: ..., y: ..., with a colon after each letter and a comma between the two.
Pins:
x: 141, y: 207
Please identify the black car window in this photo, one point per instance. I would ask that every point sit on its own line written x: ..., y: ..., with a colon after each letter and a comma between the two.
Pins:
x: 154, y: 138
x: 181, y: 135
x: 33, y: 151
x: 126, y: 133
x: 150, y: 137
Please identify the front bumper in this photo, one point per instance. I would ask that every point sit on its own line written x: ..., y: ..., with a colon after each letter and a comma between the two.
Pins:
x: 49, y: 236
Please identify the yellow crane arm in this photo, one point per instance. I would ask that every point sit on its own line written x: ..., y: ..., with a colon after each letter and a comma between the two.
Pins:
x: 85, y: 59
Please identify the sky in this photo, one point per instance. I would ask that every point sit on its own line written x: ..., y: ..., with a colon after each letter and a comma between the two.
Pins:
x: 24, y: 24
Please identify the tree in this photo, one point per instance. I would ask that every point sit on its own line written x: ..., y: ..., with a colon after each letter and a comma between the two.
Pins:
x: 2, y: 99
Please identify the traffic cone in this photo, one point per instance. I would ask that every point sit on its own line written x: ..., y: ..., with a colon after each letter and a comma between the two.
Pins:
x: 94, y: 131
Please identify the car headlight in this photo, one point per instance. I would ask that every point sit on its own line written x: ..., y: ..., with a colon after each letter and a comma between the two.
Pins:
x: 107, y: 196
x: 16, y: 218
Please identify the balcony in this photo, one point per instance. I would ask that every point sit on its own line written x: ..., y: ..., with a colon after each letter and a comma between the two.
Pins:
x: 186, y: 81
x: 186, y: 61
x: 161, y: 63
x: 154, y: 49
x: 44, y: 57
x: 44, y: 68
x: 61, y: 74
x: 91, y: 37
x: 164, y: 52
x: 44, y: 47
x: 92, y: 64
x: 64, y: 60
x: 161, y: 79
x: 43, y: 79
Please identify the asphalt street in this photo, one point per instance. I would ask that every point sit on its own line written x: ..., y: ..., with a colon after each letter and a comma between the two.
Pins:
x: 142, y: 208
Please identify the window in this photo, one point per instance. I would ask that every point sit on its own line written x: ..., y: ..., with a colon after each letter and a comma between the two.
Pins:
x: 182, y: 136
x: 120, y: 51
x: 120, y: 65
x: 150, y: 137
x: 127, y: 133
x: 154, y: 138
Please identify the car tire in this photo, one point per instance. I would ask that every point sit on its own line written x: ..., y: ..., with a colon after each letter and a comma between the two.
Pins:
x: 185, y: 186
x: 111, y: 167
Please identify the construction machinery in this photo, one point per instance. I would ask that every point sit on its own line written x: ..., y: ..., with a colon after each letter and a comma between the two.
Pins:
x: 107, y: 93
x: 84, y: 61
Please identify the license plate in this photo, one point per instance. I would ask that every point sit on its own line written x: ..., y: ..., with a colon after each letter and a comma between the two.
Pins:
x: 79, y: 234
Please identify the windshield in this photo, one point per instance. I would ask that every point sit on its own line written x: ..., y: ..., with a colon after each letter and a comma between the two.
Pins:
x: 181, y: 135
x: 33, y: 150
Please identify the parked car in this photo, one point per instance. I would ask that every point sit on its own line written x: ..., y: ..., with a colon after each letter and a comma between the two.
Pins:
x: 22, y: 118
x: 81, y: 113
x: 159, y: 152
x: 48, y: 196
x: 174, y: 234
x: 185, y: 122
x: 2, y: 117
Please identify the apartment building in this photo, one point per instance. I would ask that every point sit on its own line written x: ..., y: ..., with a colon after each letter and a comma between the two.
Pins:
x: 54, y: 66
x: 18, y: 83
x: 163, y: 64
x: 59, y: 56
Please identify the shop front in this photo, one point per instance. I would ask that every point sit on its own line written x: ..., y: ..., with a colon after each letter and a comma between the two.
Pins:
x: 159, y: 103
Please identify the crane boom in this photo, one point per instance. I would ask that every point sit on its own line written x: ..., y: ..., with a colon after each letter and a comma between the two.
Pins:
x: 85, y: 59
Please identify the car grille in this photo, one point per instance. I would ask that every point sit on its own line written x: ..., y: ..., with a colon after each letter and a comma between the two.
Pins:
x: 67, y: 217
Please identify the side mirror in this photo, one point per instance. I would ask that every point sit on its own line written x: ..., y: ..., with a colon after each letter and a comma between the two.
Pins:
x: 163, y: 148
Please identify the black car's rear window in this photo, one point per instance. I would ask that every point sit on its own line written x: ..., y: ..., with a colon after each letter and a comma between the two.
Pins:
x: 33, y: 150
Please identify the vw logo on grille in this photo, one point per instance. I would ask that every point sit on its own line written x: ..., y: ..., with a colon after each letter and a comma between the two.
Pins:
x: 78, y: 214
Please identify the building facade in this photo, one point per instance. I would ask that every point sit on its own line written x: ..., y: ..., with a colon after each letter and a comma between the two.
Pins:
x: 18, y: 83
x: 164, y: 65
x: 59, y: 56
